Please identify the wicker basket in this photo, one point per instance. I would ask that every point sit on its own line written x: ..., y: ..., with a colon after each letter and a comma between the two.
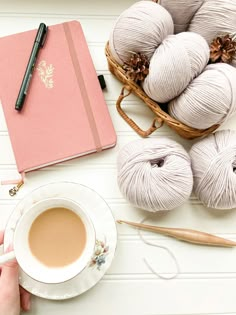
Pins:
x: 160, y: 115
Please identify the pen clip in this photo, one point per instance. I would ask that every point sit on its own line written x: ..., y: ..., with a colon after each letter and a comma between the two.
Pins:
x: 44, y: 37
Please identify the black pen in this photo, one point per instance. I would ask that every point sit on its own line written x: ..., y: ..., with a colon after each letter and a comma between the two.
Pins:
x: 38, y: 43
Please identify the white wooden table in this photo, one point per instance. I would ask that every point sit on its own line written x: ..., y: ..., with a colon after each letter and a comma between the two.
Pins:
x: 207, y: 280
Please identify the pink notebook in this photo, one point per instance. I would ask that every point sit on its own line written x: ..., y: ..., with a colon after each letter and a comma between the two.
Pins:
x: 64, y: 114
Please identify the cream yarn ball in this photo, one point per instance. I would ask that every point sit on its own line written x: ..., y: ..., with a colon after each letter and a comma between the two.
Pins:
x: 214, y: 169
x: 209, y: 18
x: 155, y: 174
x: 140, y: 28
x: 182, y: 11
x: 209, y: 99
x: 178, y: 60
x: 214, y: 18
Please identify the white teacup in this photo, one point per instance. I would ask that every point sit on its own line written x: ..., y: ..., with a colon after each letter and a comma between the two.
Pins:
x: 30, y: 264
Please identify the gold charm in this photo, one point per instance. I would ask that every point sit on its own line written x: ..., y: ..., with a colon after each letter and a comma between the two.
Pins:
x: 14, y: 190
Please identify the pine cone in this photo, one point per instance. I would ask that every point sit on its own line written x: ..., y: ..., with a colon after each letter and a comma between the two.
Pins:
x: 138, y: 67
x: 222, y: 49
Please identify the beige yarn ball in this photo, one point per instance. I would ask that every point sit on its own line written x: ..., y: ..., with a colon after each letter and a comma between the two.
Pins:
x: 140, y: 29
x: 178, y: 60
x: 155, y: 174
x: 209, y: 99
x: 182, y: 11
x: 214, y: 169
x: 209, y: 18
x: 214, y: 18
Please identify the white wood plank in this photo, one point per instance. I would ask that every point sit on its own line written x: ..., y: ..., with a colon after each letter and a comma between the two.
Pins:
x: 149, y: 297
x: 92, y: 7
x: 13, y: 24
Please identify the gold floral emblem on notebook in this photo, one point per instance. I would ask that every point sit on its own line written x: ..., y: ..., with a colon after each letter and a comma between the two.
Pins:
x: 46, y: 74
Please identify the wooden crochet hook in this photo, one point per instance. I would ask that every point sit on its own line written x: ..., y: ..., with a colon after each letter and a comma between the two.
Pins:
x: 187, y: 235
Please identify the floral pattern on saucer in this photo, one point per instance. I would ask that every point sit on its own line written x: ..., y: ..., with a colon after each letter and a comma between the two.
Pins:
x: 99, y: 258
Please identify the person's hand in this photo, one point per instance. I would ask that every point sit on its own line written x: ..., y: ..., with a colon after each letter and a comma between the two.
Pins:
x: 12, y: 297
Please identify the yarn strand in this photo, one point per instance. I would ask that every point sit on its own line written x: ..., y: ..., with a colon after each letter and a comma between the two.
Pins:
x: 149, y: 265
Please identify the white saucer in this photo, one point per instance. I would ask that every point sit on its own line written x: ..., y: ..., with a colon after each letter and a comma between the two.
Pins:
x: 106, y: 233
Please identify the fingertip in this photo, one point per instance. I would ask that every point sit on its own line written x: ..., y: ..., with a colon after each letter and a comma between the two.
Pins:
x: 25, y: 301
x: 10, y: 274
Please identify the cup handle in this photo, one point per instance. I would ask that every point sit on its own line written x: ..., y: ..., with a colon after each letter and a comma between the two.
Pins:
x: 6, y: 257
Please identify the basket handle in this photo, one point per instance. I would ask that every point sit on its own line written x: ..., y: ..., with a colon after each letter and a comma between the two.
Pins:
x: 132, y: 124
